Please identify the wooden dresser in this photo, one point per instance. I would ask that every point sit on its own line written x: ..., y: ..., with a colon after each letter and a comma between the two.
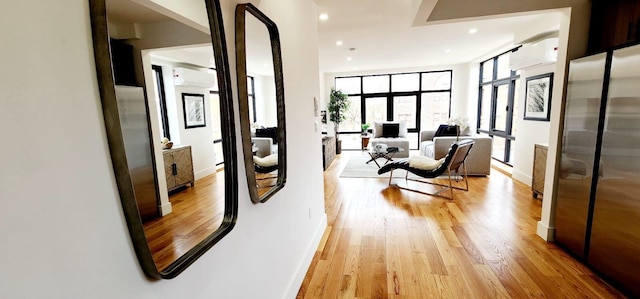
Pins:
x: 539, y: 168
x: 178, y: 167
x: 328, y: 151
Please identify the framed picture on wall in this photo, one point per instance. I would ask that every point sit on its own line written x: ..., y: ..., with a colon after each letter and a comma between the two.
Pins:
x: 193, y: 110
x: 537, y: 102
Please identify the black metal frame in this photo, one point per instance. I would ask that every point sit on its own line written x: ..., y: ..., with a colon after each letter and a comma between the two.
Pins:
x: 163, y: 101
x: 245, y: 125
x: 547, y: 117
x: 184, y: 110
x: 106, y: 84
x: 495, y: 83
x: 390, y: 95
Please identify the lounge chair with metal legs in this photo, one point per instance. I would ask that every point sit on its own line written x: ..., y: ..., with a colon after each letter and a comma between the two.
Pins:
x: 428, y: 168
x: 266, y: 165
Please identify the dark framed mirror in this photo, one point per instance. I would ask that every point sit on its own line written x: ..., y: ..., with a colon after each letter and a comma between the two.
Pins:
x: 165, y: 75
x: 261, y: 102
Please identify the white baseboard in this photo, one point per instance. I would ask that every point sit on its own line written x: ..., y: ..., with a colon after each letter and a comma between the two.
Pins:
x: 166, y: 208
x: 205, y: 172
x: 303, y: 266
x: 545, y: 232
x: 522, y: 177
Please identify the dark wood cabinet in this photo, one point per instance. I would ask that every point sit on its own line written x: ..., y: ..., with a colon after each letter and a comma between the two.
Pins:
x: 613, y: 23
x: 178, y: 167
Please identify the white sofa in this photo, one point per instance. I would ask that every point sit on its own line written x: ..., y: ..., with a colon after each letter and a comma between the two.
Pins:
x: 264, y: 146
x: 479, y: 159
x: 402, y: 141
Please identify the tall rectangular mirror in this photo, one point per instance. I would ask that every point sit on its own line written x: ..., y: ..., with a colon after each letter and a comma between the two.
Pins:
x: 261, y: 100
x: 164, y: 85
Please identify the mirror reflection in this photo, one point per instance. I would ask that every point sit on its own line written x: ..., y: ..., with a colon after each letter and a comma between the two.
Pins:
x: 175, y: 122
x: 262, y: 103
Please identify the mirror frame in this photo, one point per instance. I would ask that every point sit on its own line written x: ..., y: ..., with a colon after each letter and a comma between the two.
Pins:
x: 106, y: 84
x: 243, y: 99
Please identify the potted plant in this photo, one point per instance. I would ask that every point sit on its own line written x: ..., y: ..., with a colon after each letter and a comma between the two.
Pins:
x: 338, y: 105
x: 365, y: 128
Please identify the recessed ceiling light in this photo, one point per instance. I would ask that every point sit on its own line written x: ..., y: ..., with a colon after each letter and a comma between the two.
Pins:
x: 447, y: 51
x: 348, y: 58
x: 473, y: 30
x: 339, y: 43
x: 324, y: 16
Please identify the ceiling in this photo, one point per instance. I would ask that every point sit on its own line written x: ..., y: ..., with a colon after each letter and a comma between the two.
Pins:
x: 381, y: 34
x: 128, y: 12
x: 384, y: 34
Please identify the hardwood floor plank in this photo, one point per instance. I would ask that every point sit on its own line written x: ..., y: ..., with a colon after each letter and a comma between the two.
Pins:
x: 383, y: 242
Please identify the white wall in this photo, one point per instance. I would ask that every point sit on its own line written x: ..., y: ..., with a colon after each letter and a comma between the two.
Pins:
x: 529, y: 132
x: 201, y: 138
x: 265, y: 95
x: 63, y: 229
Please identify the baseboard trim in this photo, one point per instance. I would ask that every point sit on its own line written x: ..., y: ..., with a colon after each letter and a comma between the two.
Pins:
x: 303, y: 266
x: 166, y: 209
x: 522, y: 177
x: 545, y: 232
x: 205, y: 172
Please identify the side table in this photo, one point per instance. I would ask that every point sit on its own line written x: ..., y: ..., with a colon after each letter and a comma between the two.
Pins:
x: 365, y: 141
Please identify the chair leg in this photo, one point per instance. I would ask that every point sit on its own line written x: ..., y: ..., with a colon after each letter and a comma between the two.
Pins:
x: 466, y: 182
x: 450, y: 187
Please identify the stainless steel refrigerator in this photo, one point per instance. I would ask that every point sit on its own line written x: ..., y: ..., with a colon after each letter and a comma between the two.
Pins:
x: 134, y: 121
x: 598, y: 203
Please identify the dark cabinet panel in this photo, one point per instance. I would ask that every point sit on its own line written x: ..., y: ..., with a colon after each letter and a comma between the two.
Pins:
x: 613, y: 23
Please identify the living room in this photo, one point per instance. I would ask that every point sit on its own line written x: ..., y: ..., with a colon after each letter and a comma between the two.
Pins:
x: 64, y: 217
x: 461, y: 91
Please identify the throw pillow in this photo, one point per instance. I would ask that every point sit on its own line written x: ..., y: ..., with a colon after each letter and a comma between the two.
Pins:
x: 446, y: 130
x: 403, y: 129
x: 271, y: 132
x: 424, y: 163
x: 377, y: 128
x: 390, y: 130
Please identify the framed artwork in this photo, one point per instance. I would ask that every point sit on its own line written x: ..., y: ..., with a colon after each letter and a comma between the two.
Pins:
x: 537, y: 102
x: 193, y: 110
x: 323, y: 116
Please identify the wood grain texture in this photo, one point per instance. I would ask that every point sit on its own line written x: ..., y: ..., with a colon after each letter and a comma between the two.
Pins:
x: 197, y: 212
x: 382, y: 242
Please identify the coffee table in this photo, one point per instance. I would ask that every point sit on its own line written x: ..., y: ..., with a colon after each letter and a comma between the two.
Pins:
x: 387, y: 154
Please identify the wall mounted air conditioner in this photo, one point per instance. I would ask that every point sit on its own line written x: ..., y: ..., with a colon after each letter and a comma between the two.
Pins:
x: 535, y: 53
x: 189, y: 77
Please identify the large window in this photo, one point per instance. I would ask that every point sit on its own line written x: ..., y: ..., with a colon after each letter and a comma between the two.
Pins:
x: 496, y: 102
x: 160, y: 100
x: 422, y: 99
x: 214, y: 97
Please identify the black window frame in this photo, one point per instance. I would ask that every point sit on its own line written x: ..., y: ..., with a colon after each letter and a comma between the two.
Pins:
x: 390, y: 95
x: 163, y: 101
x: 494, y: 83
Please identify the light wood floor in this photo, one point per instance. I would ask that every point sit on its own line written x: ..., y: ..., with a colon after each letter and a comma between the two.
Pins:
x: 383, y: 242
x: 197, y: 213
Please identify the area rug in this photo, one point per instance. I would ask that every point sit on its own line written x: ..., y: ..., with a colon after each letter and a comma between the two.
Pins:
x: 358, y: 168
